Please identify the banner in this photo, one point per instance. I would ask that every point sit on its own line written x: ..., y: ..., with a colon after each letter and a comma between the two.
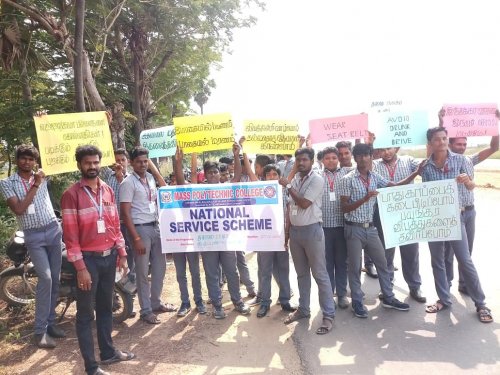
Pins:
x: 420, y: 213
x: 60, y: 135
x: 160, y: 141
x: 399, y: 129
x: 204, y: 133
x: 337, y: 129
x: 271, y: 136
x: 219, y: 217
x: 470, y: 120
x: 378, y: 106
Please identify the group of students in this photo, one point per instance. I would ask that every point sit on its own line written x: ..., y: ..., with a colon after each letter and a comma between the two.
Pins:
x: 331, y: 217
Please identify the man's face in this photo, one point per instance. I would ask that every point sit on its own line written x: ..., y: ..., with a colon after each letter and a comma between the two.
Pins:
x: 363, y: 161
x: 345, y: 157
x: 90, y: 166
x: 224, y: 176
x: 26, y: 163
x: 122, y: 160
x: 304, y: 164
x: 272, y: 175
x: 330, y: 161
x: 230, y: 168
x: 459, y: 145
x: 212, y: 175
x: 388, y: 154
x: 439, y: 141
x: 140, y: 164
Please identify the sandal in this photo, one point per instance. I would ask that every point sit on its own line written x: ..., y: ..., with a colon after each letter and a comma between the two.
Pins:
x: 168, y: 307
x: 435, y: 308
x: 325, y: 327
x: 118, y: 357
x: 150, y: 318
x: 296, y: 315
x: 484, y: 314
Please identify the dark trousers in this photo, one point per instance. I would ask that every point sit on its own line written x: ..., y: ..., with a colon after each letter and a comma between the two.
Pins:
x: 102, y: 271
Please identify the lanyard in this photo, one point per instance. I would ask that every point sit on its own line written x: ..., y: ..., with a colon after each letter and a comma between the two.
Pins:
x: 98, y: 207
x: 366, y: 182
x: 331, y: 181
x: 146, y: 187
x: 31, y: 182
x: 391, y: 169
x: 303, y: 180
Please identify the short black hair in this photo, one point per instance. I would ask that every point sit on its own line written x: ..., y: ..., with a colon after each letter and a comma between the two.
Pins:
x: 319, y: 155
x: 226, y: 160
x: 344, y: 144
x: 330, y: 150
x: 271, y: 167
x: 453, y: 139
x: 138, y: 151
x: 222, y: 167
x: 436, y: 129
x: 362, y: 149
x: 27, y: 150
x: 305, y: 151
x: 209, y: 165
x: 122, y: 151
x: 87, y: 150
x: 263, y: 160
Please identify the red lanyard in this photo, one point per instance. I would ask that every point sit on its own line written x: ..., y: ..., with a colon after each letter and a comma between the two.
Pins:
x: 331, y: 181
x: 31, y: 182
x: 391, y: 169
x: 146, y: 188
x: 366, y: 182
x: 445, y: 168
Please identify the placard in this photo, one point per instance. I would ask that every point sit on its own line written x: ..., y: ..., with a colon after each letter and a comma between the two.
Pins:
x: 337, y: 129
x: 159, y: 141
x: 399, y: 129
x: 271, y: 136
x: 470, y: 120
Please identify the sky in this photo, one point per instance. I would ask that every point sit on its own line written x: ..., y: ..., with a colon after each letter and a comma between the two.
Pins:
x: 320, y: 58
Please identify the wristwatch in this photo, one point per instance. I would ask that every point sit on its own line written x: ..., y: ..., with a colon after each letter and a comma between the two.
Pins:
x: 288, y: 186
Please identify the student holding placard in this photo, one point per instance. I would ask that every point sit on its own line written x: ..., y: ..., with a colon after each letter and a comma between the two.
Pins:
x: 441, y: 165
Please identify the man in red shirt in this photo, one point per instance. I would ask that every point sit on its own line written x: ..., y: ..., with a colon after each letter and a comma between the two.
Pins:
x: 93, y: 240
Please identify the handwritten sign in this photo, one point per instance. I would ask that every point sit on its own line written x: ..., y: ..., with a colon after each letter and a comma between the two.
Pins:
x: 399, y: 129
x: 379, y: 106
x: 470, y: 120
x: 337, y: 129
x: 271, y: 136
x: 204, y: 133
x: 420, y: 213
x: 60, y: 135
x: 160, y: 141
x: 218, y: 217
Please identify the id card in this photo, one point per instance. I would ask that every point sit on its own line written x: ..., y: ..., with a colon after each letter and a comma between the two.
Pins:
x: 152, y: 207
x: 294, y: 211
x: 31, y: 209
x: 332, y: 196
x: 101, y: 227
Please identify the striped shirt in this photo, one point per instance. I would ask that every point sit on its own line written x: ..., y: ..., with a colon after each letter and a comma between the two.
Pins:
x: 353, y: 186
x: 80, y: 216
x: 286, y: 166
x: 331, y: 208
x: 404, y: 166
x: 15, y: 186
x: 109, y: 177
x: 455, y: 165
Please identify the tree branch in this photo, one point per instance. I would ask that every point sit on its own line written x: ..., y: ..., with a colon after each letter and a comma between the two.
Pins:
x: 162, y: 65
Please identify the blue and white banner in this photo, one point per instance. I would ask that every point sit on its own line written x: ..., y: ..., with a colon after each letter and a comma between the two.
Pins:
x: 222, y: 217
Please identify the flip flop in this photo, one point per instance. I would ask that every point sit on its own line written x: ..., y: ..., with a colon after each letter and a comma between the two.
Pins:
x: 435, y: 307
x: 484, y: 314
x: 325, y: 327
x: 296, y: 315
x: 150, y: 319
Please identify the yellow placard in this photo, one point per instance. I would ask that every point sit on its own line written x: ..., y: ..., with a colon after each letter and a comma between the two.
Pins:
x: 271, y: 136
x: 60, y: 135
x: 204, y: 133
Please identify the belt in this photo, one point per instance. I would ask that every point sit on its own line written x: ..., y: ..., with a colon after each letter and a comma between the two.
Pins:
x: 361, y: 225
x: 103, y: 254
x: 468, y: 208
x: 151, y: 224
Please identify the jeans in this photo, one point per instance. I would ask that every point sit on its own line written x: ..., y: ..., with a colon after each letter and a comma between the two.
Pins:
x: 307, y: 246
x: 336, y: 259
x: 44, y: 247
x: 193, y: 259
x: 102, y: 272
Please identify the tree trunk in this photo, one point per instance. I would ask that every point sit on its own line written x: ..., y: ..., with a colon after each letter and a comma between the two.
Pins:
x: 117, y: 126
x: 77, y: 66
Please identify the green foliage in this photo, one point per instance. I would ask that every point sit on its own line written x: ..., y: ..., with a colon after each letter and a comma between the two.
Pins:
x: 8, y: 225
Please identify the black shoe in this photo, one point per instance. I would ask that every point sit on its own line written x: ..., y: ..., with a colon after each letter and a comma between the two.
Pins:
x: 56, y: 332
x: 288, y: 307
x: 263, y: 310
x: 416, y: 294
x: 100, y: 371
x: 463, y: 290
x: 44, y: 341
x: 395, y: 304
x: 118, y: 357
x: 371, y: 271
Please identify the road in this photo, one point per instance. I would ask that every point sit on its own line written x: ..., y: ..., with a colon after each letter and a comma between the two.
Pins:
x: 388, y: 342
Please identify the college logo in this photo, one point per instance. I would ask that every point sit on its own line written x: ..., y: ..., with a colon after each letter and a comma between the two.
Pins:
x: 166, y: 197
x: 269, y: 192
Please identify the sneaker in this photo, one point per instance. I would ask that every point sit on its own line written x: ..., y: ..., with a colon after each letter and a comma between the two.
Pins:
x: 202, y: 309
x: 219, y: 313
x: 395, y: 304
x: 44, y: 341
x: 343, y: 302
x: 183, y: 310
x: 359, y: 310
x: 242, y: 308
x: 56, y: 332
x: 254, y: 301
